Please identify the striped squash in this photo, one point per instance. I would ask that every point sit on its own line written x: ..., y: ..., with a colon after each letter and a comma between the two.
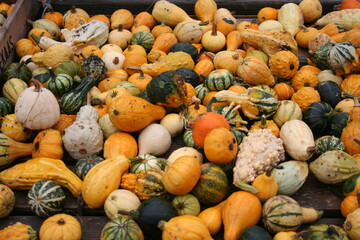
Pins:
x: 188, y: 32
x: 46, y: 198
x: 318, y: 116
x: 212, y: 186
x: 254, y: 71
x: 342, y: 55
x: 188, y: 139
x: 220, y: 79
x: 10, y: 150
x: 72, y: 68
x: 281, y: 213
x: 6, y: 106
x: 145, y: 162
x: 327, y: 143
x: 7, y: 200
x: 201, y: 91
x: 83, y: 165
x: 338, y: 123
x: 13, y: 88
x: 122, y: 228
x: 60, y: 84
x: 144, y: 39
x: 12, y: 128
x: 288, y: 110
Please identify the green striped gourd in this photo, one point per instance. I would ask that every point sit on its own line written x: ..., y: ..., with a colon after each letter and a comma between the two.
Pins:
x: 6, y: 106
x: 288, y: 110
x: 254, y: 103
x: 72, y: 101
x: 212, y: 186
x: 48, y: 25
x: 232, y: 115
x: 239, y: 135
x: 327, y: 143
x: 187, y: 48
x: 188, y: 139
x: 72, y: 68
x: 220, y: 79
x: 122, y: 228
x: 342, y: 55
x: 145, y: 162
x: 13, y: 88
x: 318, y: 116
x: 144, y: 39
x: 16, y: 70
x: 83, y: 165
x: 281, y: 213
x: 13, y: 128
x: 10, y: 150
x: 338, y: 123
x: 201, y: 91
x: 59, y: 84
x: 94, y: 67
x: 46, y: 198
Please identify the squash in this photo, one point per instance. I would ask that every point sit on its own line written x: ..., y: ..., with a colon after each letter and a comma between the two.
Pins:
x: 329, y: 92
x: 59, y: 84
x: 83, y: 165
x: 25, y: 47
x: 63, y: 225
x: 120, y: 37
x: 348, y: 205
x: 188, y: 32
x: 305, y: 96
x: 6, y: 106
x: 72, y: 68
x: 55, y: 55
x: 121, y: 16
x: 186, y: 227
x: 255, y: 232
x: 350, y: 134
x: 212, y: 186
x: 351, y: 224
x: 213, y: 40
x: 113, y: 60
x: 212, y: 217
x: 205, y: 10
x: 129, y: 115
x: 350, y: 85
x: 103, y: 178
x: 144, y: 39
x: 48, y: 143
x: 16, y: 70
x: 121, y: 228
x: 327, y: 143
x: 338, y: 123
x: 304, y: 35
x: 46, y: 198
x: 144, y: 19
x: 95, y: 67
x: 283, y: 90
x: 12, y: 128
x: 100, y: 17
x: 351, y: 186
x: 254, y: 71
x: 284, y: 64
x: 145, y: 162
x: 186, y: 204
x: 7, y: 201
x: 284, y: 235
x: 237, y: 218
x: 75, y: 21
x: 182, y: 175
x: 291, y: 17
x: 64, y: 122
x: 161, y: 28
x: 184, y: 151
x: 12, y: 150
x: 318, y: 116
x: 266, y: 184
x: 120, y: 200
x: 120, y: 143
x: 24, y: 175
x: 311, y: 10
x: 169, y: 13
x: 19, y: 231
x: 48, y: 25
x: 74, y: 10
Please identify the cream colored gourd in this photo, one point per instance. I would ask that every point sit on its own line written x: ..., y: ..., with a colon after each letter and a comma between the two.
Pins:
x: 37, y: 108
x: 229, y: 60
x: 352, y: 224
x: 223, y: 13
x: 120, y: 37
x: 328, y: 75
x: 155, y: 139
x: 107, y: 126
x: 298, y: 139
x: 84, y: 137
x: 120, y: 200
x: 188, y: 32
x: 291, y: 17
x: 30, y: 65
x: 270, y: 25
x: 173, y: 123
x: 185, y: 151
x: 205, y: 10
x: 169, y: 13
x: 113, y: 60
x: 53, y: 56
x: 111, y: 47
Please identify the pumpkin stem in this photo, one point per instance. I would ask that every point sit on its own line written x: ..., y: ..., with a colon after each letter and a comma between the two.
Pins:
x: 97, y: 101
x: 73, y: 9
x: 161, y: 224
x: 52, y: 73
x: 133, y: 68
x: 357, y: 141
x: 214, y: 29
x: 263, y: 122
x: 37, y: 85
x: 132, y: 213
x: 274, y: 165
x: 61, y: 221
x: 120, y: 27
x: 210, y: 55
x: 22, y: 63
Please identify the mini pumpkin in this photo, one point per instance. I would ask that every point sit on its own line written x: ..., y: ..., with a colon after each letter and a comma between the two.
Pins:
x: 284, y: 64
x: 304, y: 78
x: 60, y: 226
x: 305, y: 96
x: 48, y: 143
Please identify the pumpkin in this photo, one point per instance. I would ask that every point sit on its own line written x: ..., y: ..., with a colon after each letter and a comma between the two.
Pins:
x: 186, y: 204
x: 25, y: 47
x: 60, y: 226
x: 237, y: 218
x: 182, y: 175
x: 226, y: 25
x: 350, y: 85
x: 352, y: 36
x: 331, y: 29
x: 121, y: 228
x: 46, y: 198
x: 105, y: 84
x: 348, y: 4
x: 120, y: 143
x: 83, y: 165
x: 75, y: 21
x: 188, y: 32
x: 228, y: 60
x: 338, y: 123
x: 350, y: 134
x: 119, y: 201
x: 284, y: 64
x: 254, y: 71
x: 327, y: 143
x: 305, y: 96
x: 283, y: 90
x: 144, y: 39
x: 48, y: 143
x: 351, y: 224
x: 122, y: 16
x: 263, y: 124
x: 64, y: 122
x: 318, y: 116
x: 72, y: 68
x: 111, y: 47
x: 4, y: 8
x: 348, y: 205
x: 213, y: 40
x: 6, y: 106
x: 100, y: 17
x: 74, y: 10
x: 267, y: 13
x: 144, y: 18
x: 7, y: 201
x: 161, y: 28
x: 59, y: 84
x: 185, y: 227
x: 16, y: 70
x: 91, y: 49
x: 120, y: 37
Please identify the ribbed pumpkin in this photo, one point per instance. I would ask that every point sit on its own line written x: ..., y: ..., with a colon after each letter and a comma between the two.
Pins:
x: 122, y: 16
x: 327, y: 143
x: 83, y: 165
x: 25, y: 47
x: 64, y: 122
x: 287, y: 111
x: 60, y: 226
x: 284, y: 64
x: 6, y: 107
x: 304, y: 78
x: 283, y: 91
x: 122, y: 228
x: 144, y: 39
x: 229, y: 60
x: 306, y: 96
x: 212, y: 186
x: 318, y: 116
x: 7, y: 201
x: 48, y: 143
x: 254, y: 71
x: 351, y: 85
x: 46, y: 198
x: 220, y: 79
x: 145, y: 162
x: 13, y: 88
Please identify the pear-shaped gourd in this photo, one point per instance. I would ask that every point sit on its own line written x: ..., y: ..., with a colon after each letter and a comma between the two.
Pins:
x: 37, y: 108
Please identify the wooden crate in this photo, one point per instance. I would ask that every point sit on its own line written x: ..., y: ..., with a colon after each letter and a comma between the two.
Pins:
x: 15, y: 28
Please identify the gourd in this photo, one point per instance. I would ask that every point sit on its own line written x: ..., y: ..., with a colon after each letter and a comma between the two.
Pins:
x: 270, y: 25
x: 348, y: 205
x: 7, y: 201
x: 83, y: 165
x: 351, y: 224
x: 132, y: 113
x: 318, y: 116
x: 237, y: 218
x: 145, y: 184
x: 72, y: 68
x: 16, y: 70
x: 327, y: 143
x: 84, y: 137
x: 48, y: 25
x: 19, y: 230
x: 305, y: 96
x: 290, y: 176
x: 72, y: 11
x: 113, y: 60
x: 120, y: 143
x: 304, y: 78
x: 12, y: 150
x: 54, y: 56
x: 64, y: 122
x: 266, y: 184
x: 26, y: 47
x: 186, y: 204
x: 350, y: 134
x: 144, y: 39
x: 351, y: 186
x: 182, y: 175
x: 298, y: 139
x: 329, y: 92
x: 350, y: 85
x: 6, y: 107
x: 185, y: 151
x: 291, y: 17
x: 212, y: 185
x: 107, y: 126
x: 48, y: 143
x: 220, y: 79
x: 121, y: 228
x: 334, y: 166
x: 254, y: 71
x: 24, y: 175
x: 284, y: 64
x: 213, y: 40
x: 122, y: 200
x: 185, y: 227
x: 60, y: 226
x: 37, y: 108
x: 212, y: 217
x: 346, y: 18
x: 94, y: 67
x: 266, y: 124
x: 255, y: 232
x: 12, y: 128
x: 169, y: 13
x: 205, y: 10
x: 103, y: 179
x: 121, y: 16
x: 188, y: 32
x: 59, y: 83
x: 144, y: 19
x: 46, y: 198
x: 173, y: 123
x: 311, y: 10
x: 304, y: 35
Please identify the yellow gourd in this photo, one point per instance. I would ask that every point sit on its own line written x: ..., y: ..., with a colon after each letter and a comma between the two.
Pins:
x: 284, y: 235
x: 212, y: 217
x: 11, y: 150
x: 169, y: 13
x: 53, y: 56
x: 266, y: 184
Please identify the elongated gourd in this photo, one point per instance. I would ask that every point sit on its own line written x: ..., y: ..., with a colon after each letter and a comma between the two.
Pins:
x: 347, y: 18
x: 169, y: 13
x: 10, y: 150
x: 212, y: 217
x: 103, y: 179
x: 291, y: 17
x: 23, y: 175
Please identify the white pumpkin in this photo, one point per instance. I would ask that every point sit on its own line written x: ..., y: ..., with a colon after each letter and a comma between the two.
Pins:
x: 270, y: 25
x: 84, y: 137
x: 37, y: 108
x: 188, y: 32
x: 111, y: 47
x: 155, y: 140
x: 120, y: 37
x: 173, y: 123
x: 113, y: 60
x: 185, y: 151
x: 120, y: 200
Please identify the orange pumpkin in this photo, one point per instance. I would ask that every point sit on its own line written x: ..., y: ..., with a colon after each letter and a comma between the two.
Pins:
x: 351, y: 85
x: 349, y: 204
x: 75, y: 21
x: 36, y: 33
x: 233, y: 40
x: 159, y: 29
x: 349, y: 4
x: 62, y: 226
x: 91, y: 50
x: 140, y: 79
x: 353, y: 36
x: 120, y: 143
x: 4, y: 8
x: 135, y: 49
x: 204, y: 67
x: 134, y: 60
x: 164, y: 42
x: 352, y: 131
x: 237, y: 89
x: 283, y: 91
x: 144, y: 18
x: 64, y: 122
x: 101, y: 17
x: 107, y: 83
x: 48, y: 144
x: 118, y: 73
x: 55, y: 17
x: 101, y: 108
x: 122, y: 16
x: 305, y: 96
x: 267, y: 13
x: 304, y: 78
x: 25, y: 46
x: 303, y: 36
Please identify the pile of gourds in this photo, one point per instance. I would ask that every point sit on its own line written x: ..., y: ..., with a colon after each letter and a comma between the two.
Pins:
x: 5, y: 10
x: 112, y: 93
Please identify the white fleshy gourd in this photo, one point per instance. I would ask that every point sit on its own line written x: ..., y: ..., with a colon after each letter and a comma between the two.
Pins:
x: 84, y: 137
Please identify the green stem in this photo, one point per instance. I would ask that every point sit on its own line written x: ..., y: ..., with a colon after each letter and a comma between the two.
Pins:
x: 246, y: 187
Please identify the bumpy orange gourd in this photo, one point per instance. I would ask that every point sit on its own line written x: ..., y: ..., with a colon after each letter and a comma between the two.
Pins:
x: 284, y: 64
x: 12, y: 128
x: 64, y: 122
x: 351, y: 85
x: 350, y: 135
x: 48, y: 143
x: 349, y: 204
x: 305, y: 96
x: 25, y: 46
x: 120, y: 143
x: 144, y: 18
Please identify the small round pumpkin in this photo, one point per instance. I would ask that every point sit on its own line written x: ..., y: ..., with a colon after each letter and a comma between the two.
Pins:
x: 304, y: 78
x: 122, y: 16
x: 60, y: 226
x: 144, y: 19
x: 48, y: 143
x: 159, y: 29
x: 351, y: 85
x: 120, y: 143
x: 267, y: 13
x: 303, y: 36
x: 348, y: 205
x: 305, y: 96
x: 284, y: 64
x: 91, y: 50
x: 283, y: 91
x: 101, y: 17
x: 25, y: 47
x: 12, y: 128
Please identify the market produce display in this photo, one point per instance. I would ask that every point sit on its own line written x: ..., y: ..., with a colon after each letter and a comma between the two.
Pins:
x: 182, y: 127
